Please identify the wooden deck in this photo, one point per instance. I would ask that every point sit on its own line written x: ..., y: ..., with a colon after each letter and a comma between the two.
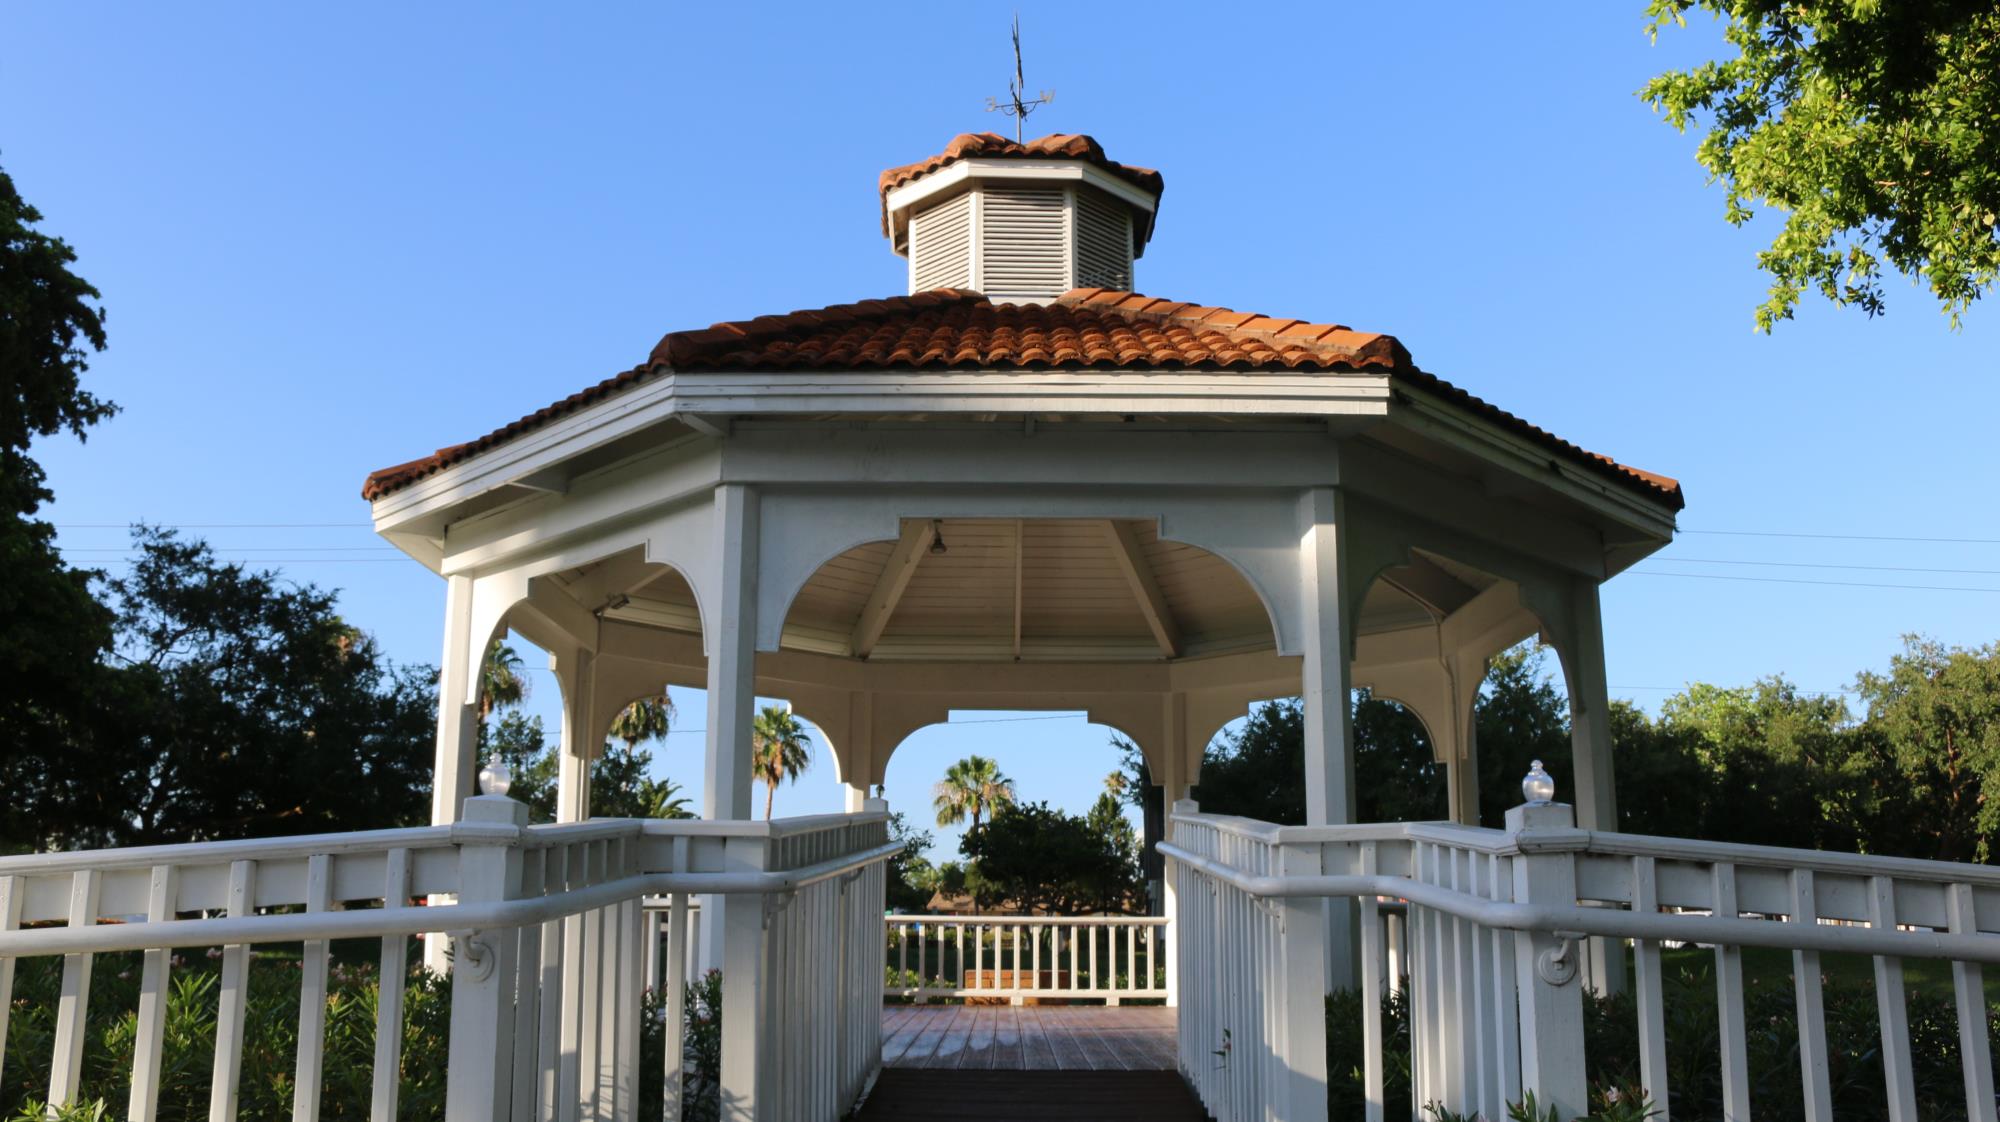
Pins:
x: 1028, y: 1037
x: 904, y: 1094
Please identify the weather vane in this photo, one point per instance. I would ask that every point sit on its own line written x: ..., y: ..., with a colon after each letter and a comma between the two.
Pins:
x: 1016, y: 107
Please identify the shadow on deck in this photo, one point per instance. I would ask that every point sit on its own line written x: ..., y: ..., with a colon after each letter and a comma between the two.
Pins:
x: 967, y: 1063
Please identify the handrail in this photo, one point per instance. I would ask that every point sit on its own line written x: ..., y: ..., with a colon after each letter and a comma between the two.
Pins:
x: 1573, y: 920
x: 949, y: 919
x: 412, y: 921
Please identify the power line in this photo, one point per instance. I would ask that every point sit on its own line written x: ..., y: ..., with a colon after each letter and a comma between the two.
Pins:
x: 1802, y: 580
x: 248, y: 549
x: 1842, y: 537
x: 215, y: 525
x: 1826, y: 565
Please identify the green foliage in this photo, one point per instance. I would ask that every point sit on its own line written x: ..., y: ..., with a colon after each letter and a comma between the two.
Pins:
x: 1872, y: 125
x: 270, y: 1045
x: 621, y: 781
x: 270, y: 1038
x: 1257, y: 771
x: 232, y: 704
x: 780, y: 750
x: 911, y: 877
x: 1611, y: 1049
x: 51, y: 675
x: 502, y: 685
x: 972, y: 788
x: 1935, y: 718
x: 1043, y: 860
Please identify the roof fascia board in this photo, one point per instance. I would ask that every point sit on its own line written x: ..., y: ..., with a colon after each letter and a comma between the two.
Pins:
x: 629, y: 494
x: 1448, y: 424
x: 749, y: 393
x: 619, y: 415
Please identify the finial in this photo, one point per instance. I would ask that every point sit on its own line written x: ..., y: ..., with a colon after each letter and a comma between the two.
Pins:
x: 495, y: 779
x: 1539, y: 788
x: 1016, y: 107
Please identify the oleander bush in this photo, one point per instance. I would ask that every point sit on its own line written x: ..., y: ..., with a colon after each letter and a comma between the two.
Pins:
x: 1611, y: 1048
x: 270, y: 1041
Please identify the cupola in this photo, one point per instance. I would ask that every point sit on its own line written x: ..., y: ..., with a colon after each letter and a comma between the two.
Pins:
x: 1022, y: 223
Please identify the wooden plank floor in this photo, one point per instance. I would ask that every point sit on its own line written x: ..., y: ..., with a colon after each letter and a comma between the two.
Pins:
x: 904, y: 1094
x: 1028, y: 1037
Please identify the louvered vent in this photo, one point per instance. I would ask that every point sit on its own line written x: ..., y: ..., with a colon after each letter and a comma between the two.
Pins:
x: 1023, y: 243
x: 941, y: 246
x: 1103, y: 243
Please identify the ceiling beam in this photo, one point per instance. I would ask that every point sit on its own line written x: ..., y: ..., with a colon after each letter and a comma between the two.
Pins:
x: 1429, y: 584
x: 910, y: 547
x: 1019, y: 549
x: 1124, y: 543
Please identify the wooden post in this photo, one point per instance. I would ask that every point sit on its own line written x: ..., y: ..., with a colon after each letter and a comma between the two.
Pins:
x: 483, y: 970
x: 1300, y: 992
x: 1590, y: 751
x: 731, y: 638
x: 1545, y: 966
x: 579, y: 742
x: 1327, y: 634
x: 747, y: 1017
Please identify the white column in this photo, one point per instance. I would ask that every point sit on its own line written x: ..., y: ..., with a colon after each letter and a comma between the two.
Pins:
x: 458, y: 723
x: 580, y: 741
x: 1462, y: 694
x: 457, y: 735
x: 747, y: 1011
x: 484, y: 968
x: 1590, y: 753
x: 731, y: 624
x: 859, y: 754
x: 1327, y: 635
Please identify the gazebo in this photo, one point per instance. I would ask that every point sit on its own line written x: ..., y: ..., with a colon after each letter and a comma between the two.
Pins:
x: 1022, y: 485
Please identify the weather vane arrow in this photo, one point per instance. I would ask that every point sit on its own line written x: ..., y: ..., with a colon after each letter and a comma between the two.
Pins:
x: 1017, y: 106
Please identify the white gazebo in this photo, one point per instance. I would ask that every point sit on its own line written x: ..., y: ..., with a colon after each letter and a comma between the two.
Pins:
x: 1022, y: 486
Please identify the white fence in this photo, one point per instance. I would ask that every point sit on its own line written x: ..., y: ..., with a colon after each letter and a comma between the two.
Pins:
x: 548, y: 960
x: 1078, y: 958
x: 1497, y: 927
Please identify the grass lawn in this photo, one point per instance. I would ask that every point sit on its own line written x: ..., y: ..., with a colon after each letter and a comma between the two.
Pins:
x: 1770, y: 966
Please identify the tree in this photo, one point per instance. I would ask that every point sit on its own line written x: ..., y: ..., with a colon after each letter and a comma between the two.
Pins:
x: 1520, y: 718
x: 1258, y: 771
x: 1049, y: 862
x: 1934, y: 718
x: 649, y: 718
x: 1871, y: 125
x: 780, y: 750
x: 233, y: 705
x: 501, y: 682
x: 621, y: 785
x: 53, y: 632
x: 972, y: 788
x: 911, y: 878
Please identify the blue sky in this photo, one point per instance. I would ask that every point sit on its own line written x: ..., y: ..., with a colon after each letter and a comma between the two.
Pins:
x: 334, y: 237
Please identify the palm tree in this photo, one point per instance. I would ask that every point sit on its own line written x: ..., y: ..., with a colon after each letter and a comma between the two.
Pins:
x: 972, y: 788
x: 501, y: 684
x: 648, y: 718
x: 780, y: 750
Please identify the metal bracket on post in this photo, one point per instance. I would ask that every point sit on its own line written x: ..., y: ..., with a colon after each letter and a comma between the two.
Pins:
x: 1558, y: 965
x: 775, y: 902
x: 477, y: 951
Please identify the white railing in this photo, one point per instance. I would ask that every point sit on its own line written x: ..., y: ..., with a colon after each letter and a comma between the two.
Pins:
x: 1018, y: 958
x: 548, y: 968
x: 1498, y: 922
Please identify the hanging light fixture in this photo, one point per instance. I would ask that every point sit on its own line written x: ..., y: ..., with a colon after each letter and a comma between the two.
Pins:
x: 937, y: 538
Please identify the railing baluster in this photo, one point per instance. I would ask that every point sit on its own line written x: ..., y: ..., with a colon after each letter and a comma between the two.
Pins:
x: 528, y: 993
x: 230, y: 1004
x: 312, y: 997
x: 74, y: 1004
x: 1893, y: 1010
x: 1649, y: 994
x: 1811, y: 1004
x: 1729, y: 1003
x: 675, y: 997
x: 1372, y: 1082
x: 395, y: 964
x: 149, y: 1032
x: 12, y: 890
x: 1507, y: 1024
x: 1969, y: 985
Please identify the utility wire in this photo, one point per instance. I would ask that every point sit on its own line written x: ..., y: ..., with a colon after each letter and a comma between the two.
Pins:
x: 1802, y: 580
x: 1824, y: 565
x: 215, y: 525
x: 1842, y: 537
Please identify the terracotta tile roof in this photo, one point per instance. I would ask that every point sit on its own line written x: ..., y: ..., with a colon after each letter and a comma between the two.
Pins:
x: 1088, y: 328
x: 987, y: 145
